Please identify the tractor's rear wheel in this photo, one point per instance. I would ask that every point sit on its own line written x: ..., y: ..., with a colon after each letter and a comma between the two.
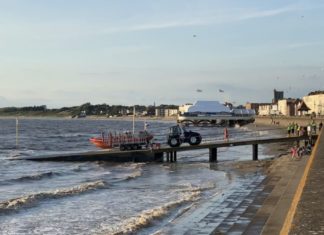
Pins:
x: 194, y: 140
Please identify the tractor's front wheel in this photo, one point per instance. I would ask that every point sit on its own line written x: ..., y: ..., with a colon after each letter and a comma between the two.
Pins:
x: 174, y: 142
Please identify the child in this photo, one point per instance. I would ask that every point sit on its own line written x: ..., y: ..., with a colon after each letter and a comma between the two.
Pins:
x: 293, y: 151
x: 301, y: 151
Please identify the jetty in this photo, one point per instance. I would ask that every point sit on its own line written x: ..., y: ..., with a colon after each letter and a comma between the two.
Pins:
x: 164, y: 153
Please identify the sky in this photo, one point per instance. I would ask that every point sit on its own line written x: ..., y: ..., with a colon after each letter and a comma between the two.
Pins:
x: 65, y: 53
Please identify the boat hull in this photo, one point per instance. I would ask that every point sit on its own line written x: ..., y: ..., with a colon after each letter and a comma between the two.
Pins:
x: 100, y: 143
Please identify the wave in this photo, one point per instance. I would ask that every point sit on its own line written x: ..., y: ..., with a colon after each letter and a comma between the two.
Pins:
x: 39, y: 176
x: 66, y: 135
x: 136, y: 170
x: 134, y: 175
x: 28, y: 200
x: 130, y: 225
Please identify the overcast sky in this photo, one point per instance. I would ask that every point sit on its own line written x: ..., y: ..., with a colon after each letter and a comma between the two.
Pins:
x: 68, y: 52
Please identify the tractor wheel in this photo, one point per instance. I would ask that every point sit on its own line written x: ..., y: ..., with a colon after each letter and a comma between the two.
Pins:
x: 194, y: 140
x: 174, y: 142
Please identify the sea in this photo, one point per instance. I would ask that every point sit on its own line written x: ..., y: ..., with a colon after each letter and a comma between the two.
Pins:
x: 100, y: 197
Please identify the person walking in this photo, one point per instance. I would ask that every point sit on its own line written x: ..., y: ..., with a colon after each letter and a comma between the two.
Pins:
x: 292, y: 128
x: 288, y: 129
x: 226, y: 136
x: 309, y: 129
x: 313, y: 128
x: 298, y: 130
x: 320, y: 126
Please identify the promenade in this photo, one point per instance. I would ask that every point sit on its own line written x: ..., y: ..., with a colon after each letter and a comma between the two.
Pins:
x: 309, y: 216
x: 288, y: 200
x: 296, y: 203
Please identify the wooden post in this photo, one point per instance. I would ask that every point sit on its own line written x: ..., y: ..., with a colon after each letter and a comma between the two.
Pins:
x: 175, y: 156
x: 171, y: 156
x: 168, y: 156
x: 212, y: 154
x: 255, y: 152
x: 158, y: 157
x: 17, y: 132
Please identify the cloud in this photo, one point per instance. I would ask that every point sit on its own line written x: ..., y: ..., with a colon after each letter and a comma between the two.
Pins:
x: 157, y: 25
x: 267, y: 13
x: 205, y: 19
x: 303, y: 44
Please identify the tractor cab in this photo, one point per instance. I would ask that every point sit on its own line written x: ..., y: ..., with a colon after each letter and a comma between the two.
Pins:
x: 175, y: 130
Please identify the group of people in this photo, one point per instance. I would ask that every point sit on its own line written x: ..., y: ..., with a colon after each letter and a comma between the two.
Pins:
x: 297, y: 130
x: 298, y: 151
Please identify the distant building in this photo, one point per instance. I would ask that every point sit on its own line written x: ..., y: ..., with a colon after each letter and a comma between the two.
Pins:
x: 160, y: 112
x: 264, y: 109
x: 274, y: 110
x: 288, y: 107
x: 171, y: 112
x: 302, y: 109
x: 277, y: 95
x: 256, y: 107
x: 315, y: 102
x: 165, y: 112
x: 82, y: 114
x: 184, y: 108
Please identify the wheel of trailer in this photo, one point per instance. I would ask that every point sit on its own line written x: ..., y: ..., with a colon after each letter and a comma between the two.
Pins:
x: 174, y: 142
x: 122, y: 147
x: 135, y: 147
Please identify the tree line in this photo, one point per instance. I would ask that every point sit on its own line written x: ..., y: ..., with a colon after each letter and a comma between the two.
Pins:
x: 87, y: 109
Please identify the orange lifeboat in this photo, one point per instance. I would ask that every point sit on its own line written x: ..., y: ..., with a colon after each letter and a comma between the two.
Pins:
x: 99, y: 142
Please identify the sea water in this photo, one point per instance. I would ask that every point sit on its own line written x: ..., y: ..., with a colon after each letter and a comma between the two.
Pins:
x: 104, y: 197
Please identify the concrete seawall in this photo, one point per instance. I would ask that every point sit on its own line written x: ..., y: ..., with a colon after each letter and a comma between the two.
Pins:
x: 307, y: 209
x: 284, y: 121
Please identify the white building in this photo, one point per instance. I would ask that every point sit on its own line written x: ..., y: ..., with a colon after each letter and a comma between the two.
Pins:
x: 265, y: 109
x: 288, y: 107
x: 274, y: 110
x: 171, y: 112
x: 162, y: 112
x: 315, y: 103
x: 184, y: 108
